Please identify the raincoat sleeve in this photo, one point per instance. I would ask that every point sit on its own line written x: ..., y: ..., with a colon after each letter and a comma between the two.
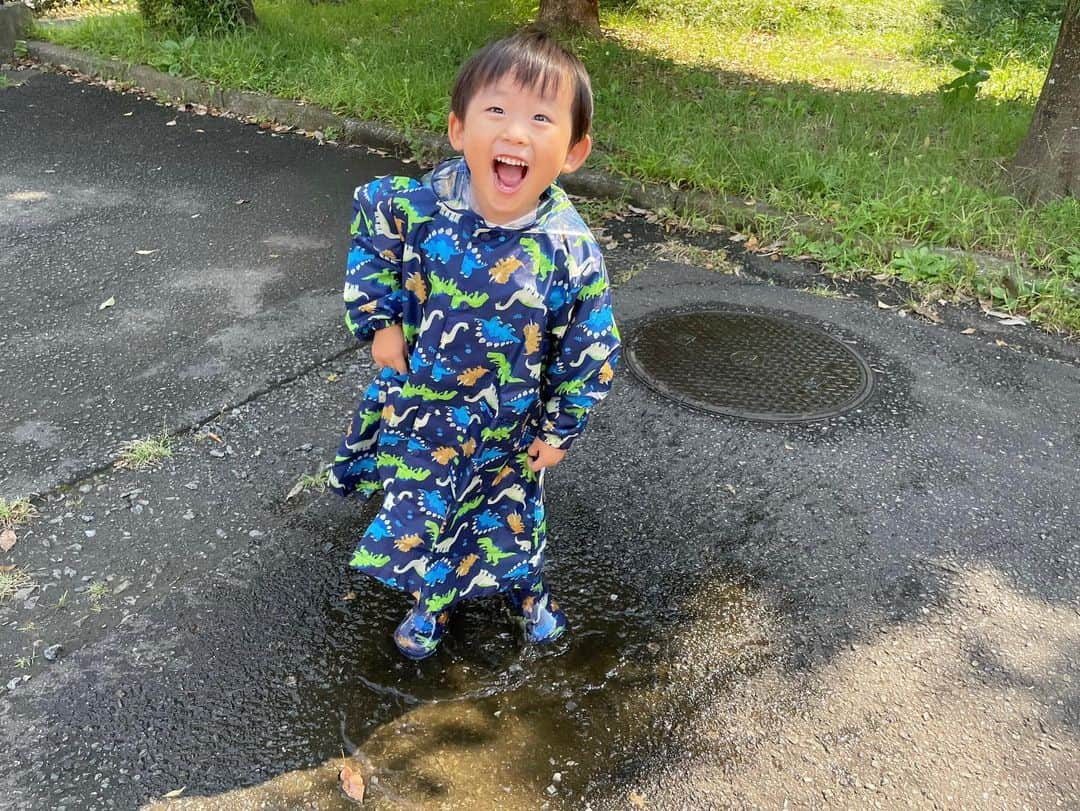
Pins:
x: 373, y: 293
x: 585, y: 353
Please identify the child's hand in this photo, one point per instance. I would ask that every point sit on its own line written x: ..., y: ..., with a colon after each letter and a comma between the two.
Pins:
x: 542, y: 455
x: 388, y: 348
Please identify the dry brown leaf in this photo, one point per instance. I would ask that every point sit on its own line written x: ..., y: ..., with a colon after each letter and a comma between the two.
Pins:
x: 1000, y: 342
x: 172, y: 795
x: 928, y: 312
x: 352, y: 783
x: 968, y: 331
x: 636, y: 800
x: 883, y: 306
x: 752, y: 243
x: 349, y: 596
x: 8, y: 568
x: 8, y: 539
x: 107, y: 303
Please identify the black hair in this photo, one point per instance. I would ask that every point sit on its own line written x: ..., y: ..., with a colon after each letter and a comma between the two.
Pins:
x: 535, y: 59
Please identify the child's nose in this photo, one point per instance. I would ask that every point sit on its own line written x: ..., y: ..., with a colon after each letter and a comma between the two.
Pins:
x: 515, y: 132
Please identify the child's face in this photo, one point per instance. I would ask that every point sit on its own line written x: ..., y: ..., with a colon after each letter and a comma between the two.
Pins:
x: 516, y: 142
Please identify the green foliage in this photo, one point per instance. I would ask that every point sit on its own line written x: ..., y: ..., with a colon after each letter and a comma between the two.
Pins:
x: 835, y: 116
x: 200, y: 16
x: 965, y: 86
x: 174, y: 56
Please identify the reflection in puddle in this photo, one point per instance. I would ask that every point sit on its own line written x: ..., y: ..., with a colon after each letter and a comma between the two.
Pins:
x: 486, y: 723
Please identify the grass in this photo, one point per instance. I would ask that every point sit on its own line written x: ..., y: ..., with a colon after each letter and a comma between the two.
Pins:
x: 17, y: 512
x: 4, y: 82
x: 99, y: 593
x: 143, y: 454
x: 12, y: 581
x: 829, y: 111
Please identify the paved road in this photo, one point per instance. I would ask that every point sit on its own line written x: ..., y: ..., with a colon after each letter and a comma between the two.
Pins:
x: 880, y: 608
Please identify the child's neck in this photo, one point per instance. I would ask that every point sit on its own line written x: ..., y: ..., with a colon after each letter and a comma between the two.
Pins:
x: 517, y: 222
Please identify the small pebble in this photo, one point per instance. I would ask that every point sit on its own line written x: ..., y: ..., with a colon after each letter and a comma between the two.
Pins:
x: 53, y: 652
x: 255, y: 534
x: 90, y: 533
x: 85, y: 488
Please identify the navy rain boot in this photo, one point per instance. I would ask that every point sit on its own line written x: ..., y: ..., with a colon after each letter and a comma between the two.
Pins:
x: 420, y: 632
x: 538, y: 614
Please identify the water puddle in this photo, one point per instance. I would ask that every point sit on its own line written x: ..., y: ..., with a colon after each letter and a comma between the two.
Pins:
x: 488, y: 723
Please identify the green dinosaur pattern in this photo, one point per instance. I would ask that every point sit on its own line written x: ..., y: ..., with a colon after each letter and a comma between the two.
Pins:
x: 492, y: 554
x: 362, y: 557
x: 542, y: 266
x: 426, y: 393
x: 503, y: 367
x: 503, y: 432
x: 448, y: 287
x: 437, y: 602
x: 404, y: 472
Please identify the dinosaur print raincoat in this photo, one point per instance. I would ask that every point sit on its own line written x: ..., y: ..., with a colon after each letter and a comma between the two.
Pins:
x: 511, y: 337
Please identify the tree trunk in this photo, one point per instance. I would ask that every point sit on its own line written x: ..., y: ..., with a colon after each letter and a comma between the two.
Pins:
x: 1047, y: 165
x: 570, y: 15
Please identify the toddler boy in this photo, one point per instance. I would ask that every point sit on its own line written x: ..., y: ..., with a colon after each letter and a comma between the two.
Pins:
x: 488, y: 307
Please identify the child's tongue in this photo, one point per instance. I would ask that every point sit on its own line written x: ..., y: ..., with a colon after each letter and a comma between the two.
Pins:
x: 509, y: 176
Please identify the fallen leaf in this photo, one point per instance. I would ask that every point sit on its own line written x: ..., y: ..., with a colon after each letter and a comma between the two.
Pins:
x: 1015, y: 321
x: 788, y: 446
x: 242, y: 202
x: 352, y: 783
x: 882, y: 277
x: 170, y: 123
x: 8, y: 568
x: 968, y: 331
x: 109, y: 302
x: 636, y: 210
x: 730, y: 488
x: 636, y: 800
x: 752, y: 243
x: 145, y: 252
x: 332, y: 377
x: 202, y: 131
x: 296, y: 490
x: 128, y: 115
x: 215, y: 437
x: 1000, y: 342
x: 738, y: 237
x: 883, y: 306
x: 7, y: 539
x: 172, y: 795
x: 928, y: 312
x: 349, y: 596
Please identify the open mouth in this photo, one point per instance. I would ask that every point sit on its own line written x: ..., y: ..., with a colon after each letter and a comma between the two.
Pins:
x: 509, y: 173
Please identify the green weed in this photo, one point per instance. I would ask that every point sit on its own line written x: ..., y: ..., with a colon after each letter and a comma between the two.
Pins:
x: 13, y: 581
x: 16, y: 512
x: 143, y: 454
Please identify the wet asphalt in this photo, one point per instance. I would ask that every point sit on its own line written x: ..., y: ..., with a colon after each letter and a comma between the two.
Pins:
x: 212, y: 636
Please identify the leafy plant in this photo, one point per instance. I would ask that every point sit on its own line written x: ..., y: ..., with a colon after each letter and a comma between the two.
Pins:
x: 965, y: 87
x: 174, y: 56
x: 921, y: 265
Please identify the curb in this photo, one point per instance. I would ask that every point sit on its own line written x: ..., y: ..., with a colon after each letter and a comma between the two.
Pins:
x: 734, y: 213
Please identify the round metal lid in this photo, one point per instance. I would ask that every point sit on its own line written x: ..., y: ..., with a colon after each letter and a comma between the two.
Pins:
x: 757, y: 367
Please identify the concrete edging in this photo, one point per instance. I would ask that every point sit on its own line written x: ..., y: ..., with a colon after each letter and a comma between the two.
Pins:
x: 734, y: 213
x: 591, y: 182
x: 15, y: 21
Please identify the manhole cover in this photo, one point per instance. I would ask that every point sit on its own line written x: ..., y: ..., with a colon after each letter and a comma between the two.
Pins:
x: 744, y: 365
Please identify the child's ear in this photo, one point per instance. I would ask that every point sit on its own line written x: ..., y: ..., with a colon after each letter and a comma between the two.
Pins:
x: 454, y: 126
x: 577, y: 155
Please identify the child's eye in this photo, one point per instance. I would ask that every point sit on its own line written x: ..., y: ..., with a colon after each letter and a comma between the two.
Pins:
x: 497, y: 110
x: 541, y: 117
